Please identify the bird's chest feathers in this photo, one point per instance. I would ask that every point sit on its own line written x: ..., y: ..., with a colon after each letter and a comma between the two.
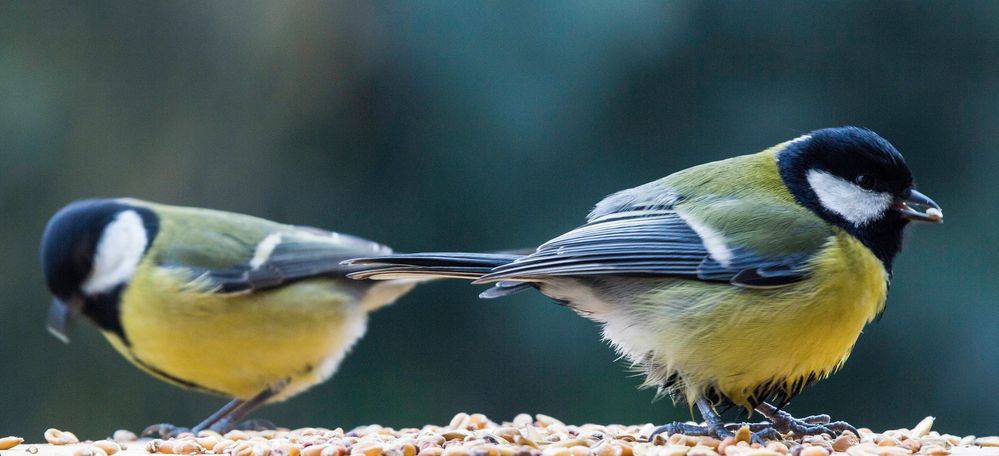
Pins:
x: 239, y: 344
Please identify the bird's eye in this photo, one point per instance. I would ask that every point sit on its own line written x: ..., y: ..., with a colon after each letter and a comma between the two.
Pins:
x: 865, y: 181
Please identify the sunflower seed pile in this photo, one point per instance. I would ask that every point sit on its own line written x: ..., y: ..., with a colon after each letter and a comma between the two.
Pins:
x: 526, y: 435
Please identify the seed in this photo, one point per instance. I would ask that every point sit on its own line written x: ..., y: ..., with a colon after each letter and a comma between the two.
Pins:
x: 887, y: 441
x: 942, y: 442
x: 545, y: 421
x: 455, y: 451
x: 724, y: 444
x: 314, y: 450
x: 108, y: 446
x: 934, y: 450
x: 743, y: 434
x: 990, y: 441
x: 673, y: 450
x: 761, y: 452
x: 777, y: 447
x: 556, y: 451
x: 31, y: 450
x: 124, y: 435
x: 569, y: 443
x: 580, y: 450
x: 432, y: 451
x: 701, y: 451
x: 844, y: 441
x: 523, y: 420
x: 236, y: 434
x: 455, y: 435
x: 7, y: 443
x: 261, y: 449
x: 153, y: 446
x: 367, y: 449
x: 922, y: 428
x: 57, y: 437
x: 813, y: 451
x: 222, y: 446
x: 891, y: 451
x: 477, y: 421
x: 709, y: 442
x: 89, y: 450
x: 241, y: 448
x: 952, y: 439
x: 458, y: 421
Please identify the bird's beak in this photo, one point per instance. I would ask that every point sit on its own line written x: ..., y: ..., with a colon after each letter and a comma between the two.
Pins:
x: 61, y: 317
x: 919, y: 207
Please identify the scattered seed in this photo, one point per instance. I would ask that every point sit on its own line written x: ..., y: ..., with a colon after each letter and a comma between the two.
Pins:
x: 743, y: 434
x: 108, y: 446
x: 7, y: 443
x: 57, y: 437
x: 124, y: 435
x: 89, y: 450
x: 991, y: 441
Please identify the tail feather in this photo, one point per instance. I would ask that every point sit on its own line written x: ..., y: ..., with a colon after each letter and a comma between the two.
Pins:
x: 454, y: 265
x: 446, y: 265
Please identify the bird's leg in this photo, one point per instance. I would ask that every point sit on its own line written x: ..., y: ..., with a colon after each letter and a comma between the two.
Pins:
x: 226, y: 419
x: 713, y: 427
x: 166, y: 430
x: 223, y: 412
x: 784, y: 423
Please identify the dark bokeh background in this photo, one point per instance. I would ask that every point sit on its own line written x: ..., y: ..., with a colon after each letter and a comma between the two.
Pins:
x: 478, y: 126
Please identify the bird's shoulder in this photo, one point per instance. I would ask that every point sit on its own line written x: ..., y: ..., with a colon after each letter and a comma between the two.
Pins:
x: 729, y: 221
x: 237, y: 252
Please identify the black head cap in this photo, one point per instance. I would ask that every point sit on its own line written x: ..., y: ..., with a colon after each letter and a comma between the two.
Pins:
x: 68, y: 251
x: 856, y: 180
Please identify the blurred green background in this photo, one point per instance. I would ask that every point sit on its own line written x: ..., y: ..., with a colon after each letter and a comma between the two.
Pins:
x: 478, y: 126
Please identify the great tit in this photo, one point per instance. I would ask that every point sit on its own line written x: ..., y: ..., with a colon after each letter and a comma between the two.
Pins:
x: 737, y: 282
x: 214, y: 301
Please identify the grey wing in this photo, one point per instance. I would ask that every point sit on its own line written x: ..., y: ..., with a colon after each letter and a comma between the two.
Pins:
x: 292, y: 255
x: 650, y: 243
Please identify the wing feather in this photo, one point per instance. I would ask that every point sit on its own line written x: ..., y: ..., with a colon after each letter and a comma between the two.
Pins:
x: 654, y: 242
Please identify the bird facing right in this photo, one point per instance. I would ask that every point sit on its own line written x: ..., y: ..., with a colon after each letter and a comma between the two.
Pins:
x: 737, y: 282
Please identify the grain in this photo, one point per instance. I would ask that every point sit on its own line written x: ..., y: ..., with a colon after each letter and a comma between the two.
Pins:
x: 7, y: 443
x: 57, y: 437
x: 474, y: 434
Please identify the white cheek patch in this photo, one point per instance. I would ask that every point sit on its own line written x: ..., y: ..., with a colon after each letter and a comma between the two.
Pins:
x: 118, y: 253
x: 856, y: 205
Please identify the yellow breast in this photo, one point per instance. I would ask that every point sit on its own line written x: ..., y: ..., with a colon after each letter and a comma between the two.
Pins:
x: 738, y: 341
x: 237, y: 345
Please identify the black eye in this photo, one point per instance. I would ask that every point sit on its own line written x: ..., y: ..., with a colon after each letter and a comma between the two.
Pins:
x: 865, y: 181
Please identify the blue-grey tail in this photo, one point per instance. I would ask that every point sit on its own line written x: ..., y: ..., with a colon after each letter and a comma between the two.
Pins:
x: 445, y: 265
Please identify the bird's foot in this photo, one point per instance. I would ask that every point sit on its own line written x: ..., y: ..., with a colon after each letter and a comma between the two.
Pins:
x: 784, y: 423
x: 759, y: 432
x: 695, y: 430
x: 164, y: 430
x: 225, y: 425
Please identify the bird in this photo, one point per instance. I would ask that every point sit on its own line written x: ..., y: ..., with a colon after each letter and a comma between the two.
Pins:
x: 734, y: 283
x: 223, y: 303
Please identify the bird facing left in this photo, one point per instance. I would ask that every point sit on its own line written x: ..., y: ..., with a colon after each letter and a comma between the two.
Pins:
x: 218, y: 302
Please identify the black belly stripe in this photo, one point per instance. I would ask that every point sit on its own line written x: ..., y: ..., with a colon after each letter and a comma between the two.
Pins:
x: 177, y: 380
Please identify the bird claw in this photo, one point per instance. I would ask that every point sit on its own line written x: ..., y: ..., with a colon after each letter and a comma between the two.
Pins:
x: 810, y: 425
x: 696, y: 430
x: 760, y: 432
x: 164, y: 430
